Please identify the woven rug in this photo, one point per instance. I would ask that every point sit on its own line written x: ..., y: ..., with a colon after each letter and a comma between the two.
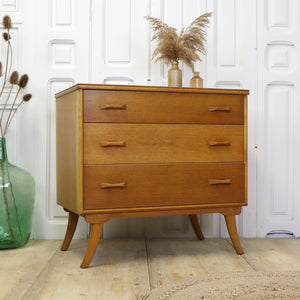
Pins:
x: 252, y: 285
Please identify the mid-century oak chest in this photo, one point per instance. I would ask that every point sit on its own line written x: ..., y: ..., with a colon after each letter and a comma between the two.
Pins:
x: 136, y: 151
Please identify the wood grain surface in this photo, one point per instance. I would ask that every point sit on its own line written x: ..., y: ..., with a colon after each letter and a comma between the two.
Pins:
x: 162, y: 143
x: 158, y: 107
x: 69, y: 154
x: 165, y: 184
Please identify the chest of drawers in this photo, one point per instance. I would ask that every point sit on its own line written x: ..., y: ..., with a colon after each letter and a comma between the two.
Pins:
x: 133, y: 151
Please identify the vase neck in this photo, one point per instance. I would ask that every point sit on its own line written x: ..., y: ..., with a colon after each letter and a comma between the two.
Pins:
x: 3, y: 152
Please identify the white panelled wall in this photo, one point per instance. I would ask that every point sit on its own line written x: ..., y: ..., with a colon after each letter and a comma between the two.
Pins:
x: 250, y: 45
x: 278, y: 137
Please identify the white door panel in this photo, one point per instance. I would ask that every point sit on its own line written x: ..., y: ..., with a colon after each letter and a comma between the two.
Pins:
x: 278, y: 112
x: 250, y: 44
x: 55, y: 53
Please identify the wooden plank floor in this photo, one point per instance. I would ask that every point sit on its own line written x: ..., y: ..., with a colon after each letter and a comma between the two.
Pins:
x: 125, y: 269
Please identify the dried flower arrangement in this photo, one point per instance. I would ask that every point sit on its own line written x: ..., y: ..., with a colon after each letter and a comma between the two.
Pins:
x: 186, y: 46
x: 12, y: 81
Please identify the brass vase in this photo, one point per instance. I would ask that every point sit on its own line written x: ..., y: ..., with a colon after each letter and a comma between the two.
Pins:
x: 175, y: 76
x: 196, y: 81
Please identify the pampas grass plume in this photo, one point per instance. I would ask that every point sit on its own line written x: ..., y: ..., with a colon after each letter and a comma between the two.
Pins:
x: 186, y: 46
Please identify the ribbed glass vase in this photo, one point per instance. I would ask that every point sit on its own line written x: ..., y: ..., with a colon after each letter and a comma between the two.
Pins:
x: 17, y: 192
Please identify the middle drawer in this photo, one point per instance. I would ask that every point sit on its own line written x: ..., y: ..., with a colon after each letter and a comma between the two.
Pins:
x: 162, y: 143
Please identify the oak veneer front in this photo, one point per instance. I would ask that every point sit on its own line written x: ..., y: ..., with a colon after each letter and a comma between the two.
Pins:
x: 161, y: 107
x: 163, y: 185
x: 132, y: 151
x: 162, y: 143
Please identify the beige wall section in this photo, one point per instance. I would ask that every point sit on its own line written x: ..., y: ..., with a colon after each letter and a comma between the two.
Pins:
x: 69, y: 151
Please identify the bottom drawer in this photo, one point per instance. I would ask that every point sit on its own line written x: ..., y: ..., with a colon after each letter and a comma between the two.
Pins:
x: 125, y: 186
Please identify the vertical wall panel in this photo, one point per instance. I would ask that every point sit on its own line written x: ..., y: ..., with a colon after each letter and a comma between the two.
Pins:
x: 120, y: 41
x: 62, y: 12
x: 227, y: 27
x: 278, y: 14
x: 8, y: 5
x: 56, y: 46
x: 280, y: 56
x: 278, y: 78
x: 278, y: 151
x: 172, y: 13
x: 118, y: 31
x: 62, y: 53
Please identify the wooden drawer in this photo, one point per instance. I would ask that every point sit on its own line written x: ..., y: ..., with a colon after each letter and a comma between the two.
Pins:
x: 122, y: 186
x: 160, y: 107
x: 150, y: 143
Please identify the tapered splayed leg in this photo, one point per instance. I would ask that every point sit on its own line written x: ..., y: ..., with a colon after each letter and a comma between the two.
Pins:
x: 72, y: 223
x: 94, y: 238
x: 231, y: 227
x: 196, y: 226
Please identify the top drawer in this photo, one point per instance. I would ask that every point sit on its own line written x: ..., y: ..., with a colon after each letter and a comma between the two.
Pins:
x: 160, y: 107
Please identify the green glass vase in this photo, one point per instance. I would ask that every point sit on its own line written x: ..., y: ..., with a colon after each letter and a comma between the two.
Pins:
x: 17, y: 192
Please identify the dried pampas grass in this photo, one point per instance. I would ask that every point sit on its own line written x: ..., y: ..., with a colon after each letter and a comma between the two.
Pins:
x: 186, y: 46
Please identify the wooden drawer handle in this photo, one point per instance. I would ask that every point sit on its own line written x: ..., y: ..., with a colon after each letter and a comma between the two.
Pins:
x: 219, y: 181
x: 219, y: 108
x: 113, y: 144
x: 113, y: 106
x: 107, y: 185
x: 218, y: 143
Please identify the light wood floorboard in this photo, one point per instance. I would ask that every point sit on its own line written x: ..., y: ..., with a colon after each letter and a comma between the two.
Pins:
x: 118, y: 271
x: 124, y: 269
x: 171, y: 260
x: 272, y: 254
x: 20, y: 268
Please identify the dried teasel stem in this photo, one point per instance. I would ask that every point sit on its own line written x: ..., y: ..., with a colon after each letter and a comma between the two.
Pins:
x: 10, y: 113
x: 26, y: 98
x: 7, y: 25
x: 11, y: 55
x: 22, y: 84
x: 13, y: 80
